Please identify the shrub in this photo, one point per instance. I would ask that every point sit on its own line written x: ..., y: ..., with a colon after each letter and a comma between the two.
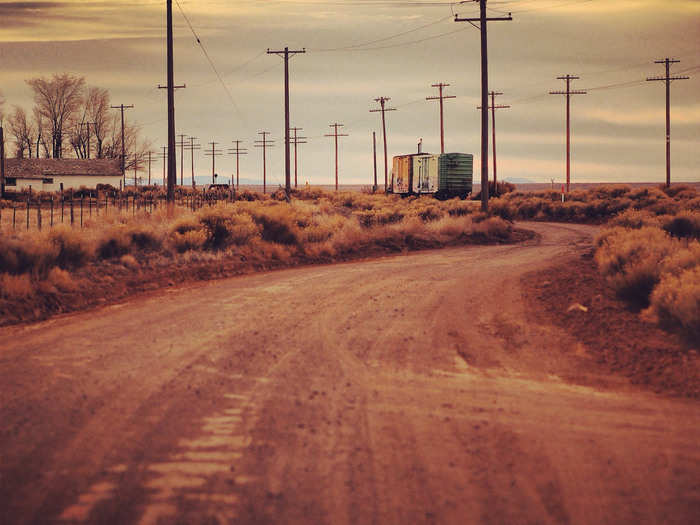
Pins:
x: 675, y: 302
x: 190, y: 240
x: 114, y: 243
x: 224, y: 227
x: 16, y: 286
x: 685, y: 224
x: 61, y: 280
x: 278, y: 225
x: 630, y: 260
x: 72, y: 248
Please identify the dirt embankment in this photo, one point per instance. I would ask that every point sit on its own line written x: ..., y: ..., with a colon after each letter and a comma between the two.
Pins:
x: 573, y: 295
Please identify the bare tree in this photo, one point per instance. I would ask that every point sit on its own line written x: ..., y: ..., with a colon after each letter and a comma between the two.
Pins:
x: 42, y: 133
x: 135, y: 148
x: 23, y: 132
x: 97, y: 105
x: 58, y: 99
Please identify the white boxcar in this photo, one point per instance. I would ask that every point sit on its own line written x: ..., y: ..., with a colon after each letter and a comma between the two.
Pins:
x: 426, y: 170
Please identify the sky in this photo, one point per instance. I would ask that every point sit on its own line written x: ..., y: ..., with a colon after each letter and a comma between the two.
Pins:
x: 358, y: 50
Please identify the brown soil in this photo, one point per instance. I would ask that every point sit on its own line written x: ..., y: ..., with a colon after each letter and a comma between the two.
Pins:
x: 616, y: 338
x: 409, y: 389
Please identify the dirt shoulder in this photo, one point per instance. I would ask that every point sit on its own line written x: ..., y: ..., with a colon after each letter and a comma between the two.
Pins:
x: 614, y: 338
x: 111, y: 281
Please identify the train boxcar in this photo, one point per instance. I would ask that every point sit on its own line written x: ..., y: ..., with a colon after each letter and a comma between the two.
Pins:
x: 444, y: 176
x: 456, y: 174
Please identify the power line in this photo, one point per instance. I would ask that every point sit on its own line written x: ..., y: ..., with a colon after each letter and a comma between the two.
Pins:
x: 441, y: 97
x: 568, y: 93
x: 213, y: 153
x: 264, y: 144
x: 211, y: 62
x: 383, y: 109
x: 483, y: 23
x: 285, y: 54
x: 667, y: 79
x: 336, y: 135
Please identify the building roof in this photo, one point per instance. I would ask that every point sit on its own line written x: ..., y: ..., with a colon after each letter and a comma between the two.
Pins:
x: 37, y: 168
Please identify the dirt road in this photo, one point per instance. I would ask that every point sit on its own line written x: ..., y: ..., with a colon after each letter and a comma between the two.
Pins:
x: 403, y: 390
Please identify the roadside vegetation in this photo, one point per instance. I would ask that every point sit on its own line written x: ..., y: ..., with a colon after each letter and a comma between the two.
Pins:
x: 653, y: 262
x: 42, y: 272
x: 596, y: 205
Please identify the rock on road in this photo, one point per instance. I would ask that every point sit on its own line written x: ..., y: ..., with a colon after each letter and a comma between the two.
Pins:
x: 403, y: 390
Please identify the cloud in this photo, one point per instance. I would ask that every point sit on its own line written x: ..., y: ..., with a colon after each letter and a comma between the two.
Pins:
x: 687, y: 115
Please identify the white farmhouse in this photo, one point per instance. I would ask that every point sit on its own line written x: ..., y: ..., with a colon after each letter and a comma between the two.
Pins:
x: 58, y: 174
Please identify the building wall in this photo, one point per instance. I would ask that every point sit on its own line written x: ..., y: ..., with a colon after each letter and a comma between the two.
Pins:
x: 69, y: 182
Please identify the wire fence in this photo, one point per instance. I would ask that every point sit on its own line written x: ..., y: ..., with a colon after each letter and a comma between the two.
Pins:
x: 40, y: 212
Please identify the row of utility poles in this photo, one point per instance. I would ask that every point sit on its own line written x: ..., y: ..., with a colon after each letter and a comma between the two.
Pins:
x: 286, y: 54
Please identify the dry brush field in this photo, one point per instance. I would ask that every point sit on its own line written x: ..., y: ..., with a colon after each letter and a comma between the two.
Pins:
x: 65, y: 268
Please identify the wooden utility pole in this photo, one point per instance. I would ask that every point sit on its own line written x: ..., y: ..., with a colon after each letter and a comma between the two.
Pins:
x: 238, y: 151
x: 483, y: 23
x: 441, y: 97
x: 383, y: 109
x: 297, y: 140
x: 336, y: 135
x: 182, y: 144
x: 264, y: 144
x: 171, y: 87
x: 374, y: 154
x: 285, y: 54
x: 122, y: 107
x: 493, y: 109
x: 213, y: 154
x: 149, y: 167
x: 568, y: 93
x: 668, y: 79
x: 192, y: 147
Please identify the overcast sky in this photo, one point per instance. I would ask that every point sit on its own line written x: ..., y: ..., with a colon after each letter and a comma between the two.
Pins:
x: 358, y: 50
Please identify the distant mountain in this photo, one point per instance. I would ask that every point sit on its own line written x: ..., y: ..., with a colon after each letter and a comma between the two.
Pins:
x: 519, y: 180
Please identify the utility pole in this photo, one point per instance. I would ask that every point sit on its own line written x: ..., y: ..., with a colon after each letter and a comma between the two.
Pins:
x: 383, y: 109
x: 192, y: 147
x: 483, y: 23
x: 374, y: 152
x: 668, y: 78
x: 441, y: 97
x: 213, y: 154
x: 171, y: 87
x: 568, y: 93
x: 264, y: 144
x: 149, y: 167
x: 336, y: 135
x: 122, y: 107
x: 164, y: 157
x: 297, y: 140
x: 182, y: 143
x: 493, y: 108
x: 285, y: 54
x: 238, y: 151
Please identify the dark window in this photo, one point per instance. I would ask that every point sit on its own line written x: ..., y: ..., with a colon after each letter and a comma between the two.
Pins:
x: 47, y: 180
x: 10, y: 181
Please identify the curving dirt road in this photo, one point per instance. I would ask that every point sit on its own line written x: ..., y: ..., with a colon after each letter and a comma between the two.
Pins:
x: 403, y: 390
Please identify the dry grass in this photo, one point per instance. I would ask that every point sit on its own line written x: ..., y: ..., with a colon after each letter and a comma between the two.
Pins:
x: 41, y: 269
x: 596, y: 205
x: 653, y: 262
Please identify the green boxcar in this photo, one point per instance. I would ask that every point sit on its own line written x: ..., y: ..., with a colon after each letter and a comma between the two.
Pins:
x: 456, y: 173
